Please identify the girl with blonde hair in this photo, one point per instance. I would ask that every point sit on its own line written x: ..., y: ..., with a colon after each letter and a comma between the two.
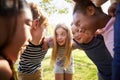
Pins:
x: 61, y: 53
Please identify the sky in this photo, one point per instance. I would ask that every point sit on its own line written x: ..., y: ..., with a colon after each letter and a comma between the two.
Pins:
x: 65, y: 18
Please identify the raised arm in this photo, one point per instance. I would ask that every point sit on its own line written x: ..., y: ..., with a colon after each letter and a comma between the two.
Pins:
x: 98, y: 3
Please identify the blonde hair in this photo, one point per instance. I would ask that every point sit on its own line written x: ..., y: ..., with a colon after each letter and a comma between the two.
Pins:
x: 37, y: 14
x: 68, y: 46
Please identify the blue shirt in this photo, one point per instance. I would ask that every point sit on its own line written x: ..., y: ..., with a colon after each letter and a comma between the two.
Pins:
x: 98, y: 53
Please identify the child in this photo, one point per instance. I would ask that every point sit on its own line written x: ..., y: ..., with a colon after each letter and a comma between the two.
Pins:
x: 30, y: 61
x: 116, y: 60
x: 87, y: 16
x: 15, y: 25
x: 61, y: 53
x: 96, y: 50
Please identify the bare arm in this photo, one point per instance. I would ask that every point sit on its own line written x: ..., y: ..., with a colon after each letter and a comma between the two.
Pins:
x: 5, y: 70
x: 98, y: 3
x: 112, y: 9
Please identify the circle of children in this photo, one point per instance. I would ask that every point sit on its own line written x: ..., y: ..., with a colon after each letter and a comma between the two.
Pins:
x: 22, y: 28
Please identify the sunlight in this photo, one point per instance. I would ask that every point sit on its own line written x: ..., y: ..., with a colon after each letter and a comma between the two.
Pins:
x: 65, y: 18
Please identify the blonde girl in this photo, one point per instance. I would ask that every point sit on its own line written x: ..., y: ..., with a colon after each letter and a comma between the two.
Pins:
x: 61, y: 53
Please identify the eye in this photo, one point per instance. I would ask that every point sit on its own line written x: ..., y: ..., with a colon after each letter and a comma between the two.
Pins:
x: 28, y: 22
x: 77, y: 24
x: 82, y: 30
x: 63, y: 34
x: 77, y: 30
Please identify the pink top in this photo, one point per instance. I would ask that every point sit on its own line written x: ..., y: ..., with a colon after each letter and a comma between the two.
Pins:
x: 108, y: 34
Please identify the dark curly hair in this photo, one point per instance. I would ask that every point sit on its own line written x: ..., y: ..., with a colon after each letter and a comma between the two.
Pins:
x: 81, y: 6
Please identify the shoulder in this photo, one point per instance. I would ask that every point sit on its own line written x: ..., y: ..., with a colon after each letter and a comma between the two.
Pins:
x: 5, y: 70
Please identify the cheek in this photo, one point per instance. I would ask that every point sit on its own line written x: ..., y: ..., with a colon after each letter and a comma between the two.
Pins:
x: 76, y: 36
x: 83, y: 37
x: 27, y: 34
x: 23, y: 34
x: 65, y: 38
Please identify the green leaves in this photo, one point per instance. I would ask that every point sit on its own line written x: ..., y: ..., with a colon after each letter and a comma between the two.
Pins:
x: 51, y: 7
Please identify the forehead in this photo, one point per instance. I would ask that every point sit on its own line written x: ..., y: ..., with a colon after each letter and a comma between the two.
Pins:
x: 27, y: 13
x: 60, y: 30
x: 73, y: 27
x: 77, y: 16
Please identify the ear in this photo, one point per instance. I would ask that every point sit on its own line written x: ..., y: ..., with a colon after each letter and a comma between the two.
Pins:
x: 35, y: 23
x: 90, y: 10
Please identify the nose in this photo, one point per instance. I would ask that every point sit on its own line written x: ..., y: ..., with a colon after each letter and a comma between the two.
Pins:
x: 30, y: 38
x: 59, y: 37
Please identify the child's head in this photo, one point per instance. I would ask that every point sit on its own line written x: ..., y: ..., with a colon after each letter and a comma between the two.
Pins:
x: 38, y: 15
x: 62, y: 37
x: 85, y: 15
x: 40, y: 21
x: 81, y: 36
x: 15, y: 25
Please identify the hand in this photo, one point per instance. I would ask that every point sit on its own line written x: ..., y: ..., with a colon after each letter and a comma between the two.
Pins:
x: 47, y: 42
x: 112, y: 9
x: 98, y: 3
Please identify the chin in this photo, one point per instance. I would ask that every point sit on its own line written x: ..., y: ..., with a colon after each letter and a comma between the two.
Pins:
x: 80, y: 42
x: 61, y: 44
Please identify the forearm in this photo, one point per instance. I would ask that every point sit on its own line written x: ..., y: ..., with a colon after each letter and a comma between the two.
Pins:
x: 113, y: 1
x: 98, y: 3
x: 117, y: 0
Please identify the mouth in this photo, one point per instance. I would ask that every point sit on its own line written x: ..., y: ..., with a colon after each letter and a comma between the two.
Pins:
x: 78, y: 38
x: 60, y: 42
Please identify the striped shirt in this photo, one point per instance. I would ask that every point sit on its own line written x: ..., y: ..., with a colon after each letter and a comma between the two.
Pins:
x: 30, y: 60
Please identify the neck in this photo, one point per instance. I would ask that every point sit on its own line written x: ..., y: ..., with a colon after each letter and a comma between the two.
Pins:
x: 10, y: 55
x: 103, y: 20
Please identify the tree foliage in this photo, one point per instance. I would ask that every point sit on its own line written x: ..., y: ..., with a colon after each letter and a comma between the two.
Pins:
x: 50, y: 8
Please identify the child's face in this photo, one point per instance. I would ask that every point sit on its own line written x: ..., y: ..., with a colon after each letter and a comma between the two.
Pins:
x: 22, y: 34
x: 61, y: 36
x: 81, y: 36
x: 85, y: 22
x: 25, y: 24
x: 37, y: 30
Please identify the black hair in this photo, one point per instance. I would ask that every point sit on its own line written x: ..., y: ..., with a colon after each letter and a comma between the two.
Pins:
x: 81, y: 6
x: 11, y: 7
x: 9, y: 10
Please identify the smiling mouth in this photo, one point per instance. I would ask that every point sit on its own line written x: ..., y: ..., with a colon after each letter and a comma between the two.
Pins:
x: 79, y: 38
x: 60, y: 42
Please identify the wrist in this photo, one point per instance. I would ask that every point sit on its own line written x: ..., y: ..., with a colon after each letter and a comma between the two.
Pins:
x: 98, y: 3
x: 117, y: 1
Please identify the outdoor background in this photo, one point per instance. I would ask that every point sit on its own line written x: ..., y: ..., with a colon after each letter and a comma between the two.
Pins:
x: 84, y: 68
x: 60, y: 11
